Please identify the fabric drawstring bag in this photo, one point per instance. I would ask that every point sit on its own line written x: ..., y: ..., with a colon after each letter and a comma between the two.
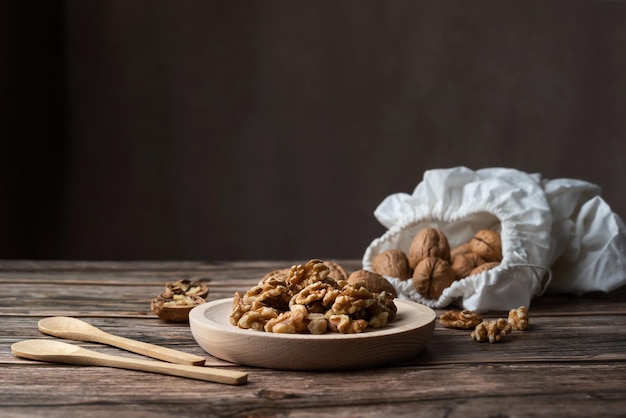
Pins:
x: 557, y: 235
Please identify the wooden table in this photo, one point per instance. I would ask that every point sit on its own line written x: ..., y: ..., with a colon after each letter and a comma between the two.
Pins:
x: 570, y: 362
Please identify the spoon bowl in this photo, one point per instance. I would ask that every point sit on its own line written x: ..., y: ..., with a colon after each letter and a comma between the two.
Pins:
x: 78, y: 330
x: 41, y: 349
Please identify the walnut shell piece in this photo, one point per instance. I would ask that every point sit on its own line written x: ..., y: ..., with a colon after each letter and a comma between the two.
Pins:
x: 175, y: 310
x: 373, y: 282
x: 487, y: 244
x: 178, y: 299
x: 431, y: 276
x: 392, y: 263
x: 460, y: 319
x: 429, y: 242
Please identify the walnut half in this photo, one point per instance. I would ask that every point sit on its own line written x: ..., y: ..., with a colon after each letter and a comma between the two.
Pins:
x: 492, y: 331
x: 460, y: 319
x: 518, y: 318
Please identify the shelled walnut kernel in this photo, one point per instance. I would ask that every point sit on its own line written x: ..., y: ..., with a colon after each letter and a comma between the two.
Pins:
x: 495, y: 331
x: 518, y: 318
x: 460, y: 319
x: 308, y: 299
x: 492, y: 331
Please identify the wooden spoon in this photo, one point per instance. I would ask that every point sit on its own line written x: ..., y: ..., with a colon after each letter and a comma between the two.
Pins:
x: 59, y: 352
x: 75, y: 329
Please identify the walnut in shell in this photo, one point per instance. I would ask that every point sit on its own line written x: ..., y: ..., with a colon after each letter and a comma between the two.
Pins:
x: 336, y: 271
x: 484, y: 267
x: 392, y: 263
x: 487, y: 244
x: 178, y: 299
x: 461, y: 249
x: 431, y: 276
x: 429, y: 242
x: 464, y: 263
x: 373, y: 282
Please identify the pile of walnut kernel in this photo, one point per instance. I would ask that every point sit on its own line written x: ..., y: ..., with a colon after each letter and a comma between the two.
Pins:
x: 315, y: 298
x: 492, y: 331
x: 433, y: 266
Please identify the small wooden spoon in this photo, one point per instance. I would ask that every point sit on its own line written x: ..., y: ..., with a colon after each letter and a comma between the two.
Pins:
x: 75, y: 329
x: 59, y: 352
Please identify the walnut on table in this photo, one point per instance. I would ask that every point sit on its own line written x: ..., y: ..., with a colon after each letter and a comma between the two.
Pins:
x: 460, y: 319
x: 518, y: 318
x: 492, y: 331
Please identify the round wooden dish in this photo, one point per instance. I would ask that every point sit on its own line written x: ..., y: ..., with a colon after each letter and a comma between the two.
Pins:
x: 399, y: 340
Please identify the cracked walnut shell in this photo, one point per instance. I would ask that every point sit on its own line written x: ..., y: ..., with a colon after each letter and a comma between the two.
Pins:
x: 178, y: 299
x: 429, y: 242
x: 431, y: 276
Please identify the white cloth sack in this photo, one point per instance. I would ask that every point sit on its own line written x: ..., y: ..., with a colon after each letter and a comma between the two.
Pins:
x: 557, y: 235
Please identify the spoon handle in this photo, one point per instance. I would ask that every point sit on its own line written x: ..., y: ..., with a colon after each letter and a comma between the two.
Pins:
x: 78, y: 330
x: 150, y: 350
x: 230, y: 377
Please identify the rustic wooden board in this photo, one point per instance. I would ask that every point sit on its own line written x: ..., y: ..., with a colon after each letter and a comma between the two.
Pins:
x: 570, y: 362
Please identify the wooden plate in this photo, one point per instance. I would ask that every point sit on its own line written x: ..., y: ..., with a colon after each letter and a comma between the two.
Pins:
x: 399, y: 340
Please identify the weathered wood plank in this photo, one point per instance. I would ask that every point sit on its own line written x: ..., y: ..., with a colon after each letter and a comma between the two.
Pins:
x: 397, y: 389
x: 571, y: 361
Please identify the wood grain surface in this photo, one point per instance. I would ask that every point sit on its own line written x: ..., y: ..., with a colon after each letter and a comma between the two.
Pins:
x: 570, y: 362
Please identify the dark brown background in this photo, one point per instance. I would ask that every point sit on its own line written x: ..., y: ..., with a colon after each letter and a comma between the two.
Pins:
x: 241, y: 129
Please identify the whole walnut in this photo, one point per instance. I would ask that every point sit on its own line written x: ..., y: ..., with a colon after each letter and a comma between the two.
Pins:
x: 392, y: 263
x: 487, y: 244
x: 336, y: 271
x: 429, y: 242
x: 464, y: 263
x: 373, y: 282
x: 461, y: 249
x: 484, y: 267
x: 431, y: 276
